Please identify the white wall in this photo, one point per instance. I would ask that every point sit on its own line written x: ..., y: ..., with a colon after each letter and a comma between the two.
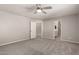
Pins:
x: 70, y: 28
x: 78, y: 26
x: 48, y: 29
x: 13, y: 28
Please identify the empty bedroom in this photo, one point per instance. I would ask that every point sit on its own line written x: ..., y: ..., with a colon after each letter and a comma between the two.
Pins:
x: 39, y: 29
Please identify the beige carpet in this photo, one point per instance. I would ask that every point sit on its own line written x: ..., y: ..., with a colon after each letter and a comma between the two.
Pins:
x: 40, y: 47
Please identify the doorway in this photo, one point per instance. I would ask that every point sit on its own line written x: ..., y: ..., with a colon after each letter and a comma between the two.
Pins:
x: 36, y: 29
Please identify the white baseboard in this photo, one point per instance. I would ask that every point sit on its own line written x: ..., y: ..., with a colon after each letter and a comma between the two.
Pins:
x: 42, y: 38
x: 13, y: 42
x: 70, y: 41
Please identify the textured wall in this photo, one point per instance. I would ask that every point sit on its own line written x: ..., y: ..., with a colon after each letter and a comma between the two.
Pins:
x: 13, y: 28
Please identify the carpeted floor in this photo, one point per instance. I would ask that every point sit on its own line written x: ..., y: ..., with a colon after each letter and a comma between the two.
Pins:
x: 40, y: 47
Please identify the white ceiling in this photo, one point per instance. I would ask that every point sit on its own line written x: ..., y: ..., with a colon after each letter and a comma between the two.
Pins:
x: 27, y: 10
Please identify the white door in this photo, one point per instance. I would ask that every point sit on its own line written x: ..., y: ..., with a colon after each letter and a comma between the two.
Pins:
x: 33, y: 30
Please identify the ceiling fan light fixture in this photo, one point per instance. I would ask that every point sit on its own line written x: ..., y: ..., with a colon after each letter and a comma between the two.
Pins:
x: 39, y: 10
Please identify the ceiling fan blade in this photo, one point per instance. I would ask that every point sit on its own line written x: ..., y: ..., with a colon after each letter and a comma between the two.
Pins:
x: 44, y: 12
x: 48, y: 7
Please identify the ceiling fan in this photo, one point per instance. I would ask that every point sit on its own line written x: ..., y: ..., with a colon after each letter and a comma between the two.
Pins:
x: 39, y: 8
